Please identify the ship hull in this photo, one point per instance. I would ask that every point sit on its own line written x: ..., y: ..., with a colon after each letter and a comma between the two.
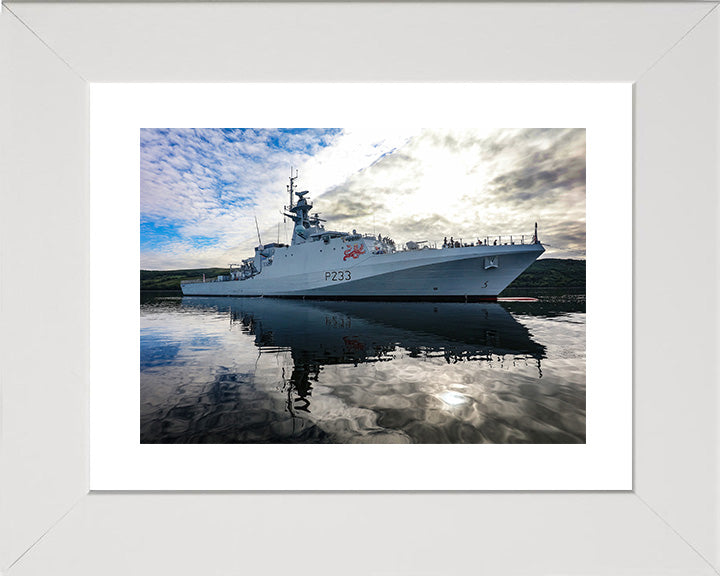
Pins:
x: 468, y: 273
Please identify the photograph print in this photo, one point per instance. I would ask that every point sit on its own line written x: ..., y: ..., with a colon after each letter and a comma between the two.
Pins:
x: 361, y: 285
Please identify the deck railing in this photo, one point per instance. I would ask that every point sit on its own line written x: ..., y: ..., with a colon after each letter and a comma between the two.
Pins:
x: 502, y: 240
x: 220, y: 278
x: 201, y: 281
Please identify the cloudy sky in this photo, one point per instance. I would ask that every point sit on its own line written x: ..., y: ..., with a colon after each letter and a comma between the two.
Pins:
x: 201, y: 189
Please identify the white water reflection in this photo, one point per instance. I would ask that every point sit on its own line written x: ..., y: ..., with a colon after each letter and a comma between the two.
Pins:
x: 220, y: 370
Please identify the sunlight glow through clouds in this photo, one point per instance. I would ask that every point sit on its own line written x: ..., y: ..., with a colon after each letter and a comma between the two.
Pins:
x: 201, y: 189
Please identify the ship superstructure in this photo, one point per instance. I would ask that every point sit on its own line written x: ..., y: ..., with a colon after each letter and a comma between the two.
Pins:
x: 329, y: 264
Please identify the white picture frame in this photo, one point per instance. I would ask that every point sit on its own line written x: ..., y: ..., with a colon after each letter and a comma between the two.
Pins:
x: 119, y: 462
x: 668, y: 524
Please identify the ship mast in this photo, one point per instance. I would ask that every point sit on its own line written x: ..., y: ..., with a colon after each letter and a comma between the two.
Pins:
x: 299, y: 213
x: 291, y: 186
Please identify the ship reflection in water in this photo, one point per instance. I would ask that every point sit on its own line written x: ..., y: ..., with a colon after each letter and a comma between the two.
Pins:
x: 254, y: 370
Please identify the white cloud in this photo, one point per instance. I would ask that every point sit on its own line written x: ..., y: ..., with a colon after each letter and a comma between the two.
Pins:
x: 411, y: 185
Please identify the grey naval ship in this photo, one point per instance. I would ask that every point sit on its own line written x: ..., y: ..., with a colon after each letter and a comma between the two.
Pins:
x: 328, y: 264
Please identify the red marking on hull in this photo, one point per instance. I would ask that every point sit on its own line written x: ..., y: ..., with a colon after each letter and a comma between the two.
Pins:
x: 354, y: 252
x: 517, y: 299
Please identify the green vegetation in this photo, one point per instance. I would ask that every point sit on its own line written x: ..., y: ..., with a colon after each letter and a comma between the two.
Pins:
x: 170, y: 279
x: 552, y: 273
x: 544, y: 273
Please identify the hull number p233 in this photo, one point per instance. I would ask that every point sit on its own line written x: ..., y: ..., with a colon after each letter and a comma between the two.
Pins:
x: 337, y: 275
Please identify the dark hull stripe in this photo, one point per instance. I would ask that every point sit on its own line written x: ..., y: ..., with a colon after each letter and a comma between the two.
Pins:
x: 373, y: 298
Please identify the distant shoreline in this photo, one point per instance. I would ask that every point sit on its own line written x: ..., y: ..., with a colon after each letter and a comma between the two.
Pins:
x: 545, y: 274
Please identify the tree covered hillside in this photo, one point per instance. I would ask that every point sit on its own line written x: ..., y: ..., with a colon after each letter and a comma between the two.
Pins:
x: 552, y: 273
x: 170, y: 279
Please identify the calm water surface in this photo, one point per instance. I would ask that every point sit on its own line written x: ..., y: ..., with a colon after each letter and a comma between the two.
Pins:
x: 259, y: 370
